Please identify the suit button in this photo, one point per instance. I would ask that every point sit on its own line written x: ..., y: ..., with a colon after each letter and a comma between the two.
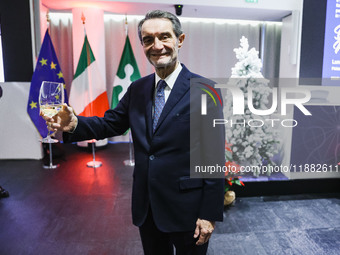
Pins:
x: 152, y: 157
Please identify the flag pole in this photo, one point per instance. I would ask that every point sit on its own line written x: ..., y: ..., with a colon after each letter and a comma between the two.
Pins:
x: 93, y: 163
x: 48, y: 20
x: 126, y: 26
x: 130, y: 161
x: 83, y: 20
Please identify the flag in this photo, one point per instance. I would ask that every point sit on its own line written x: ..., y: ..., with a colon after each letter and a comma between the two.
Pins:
x: 47, y: 69
x: 127, y: 72
x: 88, y: 95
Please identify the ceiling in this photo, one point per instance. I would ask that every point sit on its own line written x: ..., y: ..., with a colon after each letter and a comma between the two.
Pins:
x: 189, y: 10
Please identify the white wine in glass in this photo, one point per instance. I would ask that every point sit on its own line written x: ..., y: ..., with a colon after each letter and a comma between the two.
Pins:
x: 51, y: 99
x: 50, y: 110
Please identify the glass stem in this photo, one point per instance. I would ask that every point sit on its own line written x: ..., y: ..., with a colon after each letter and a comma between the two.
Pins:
x: 49, y: 135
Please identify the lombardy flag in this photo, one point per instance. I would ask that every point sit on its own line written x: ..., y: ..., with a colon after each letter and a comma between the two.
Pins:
x: 47, y: 69
x: 127, y: 73
x: 88, y: 95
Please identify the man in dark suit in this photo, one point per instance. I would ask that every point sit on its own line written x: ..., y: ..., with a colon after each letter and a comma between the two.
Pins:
x: 169, y: 207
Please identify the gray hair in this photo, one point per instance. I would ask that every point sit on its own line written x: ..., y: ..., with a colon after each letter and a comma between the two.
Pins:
x: 158, y: 14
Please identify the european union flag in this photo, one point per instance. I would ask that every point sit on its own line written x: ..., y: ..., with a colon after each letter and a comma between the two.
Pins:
x: 47, y: 69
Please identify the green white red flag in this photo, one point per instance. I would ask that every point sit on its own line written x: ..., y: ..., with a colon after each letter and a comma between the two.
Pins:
x: 88, y: 95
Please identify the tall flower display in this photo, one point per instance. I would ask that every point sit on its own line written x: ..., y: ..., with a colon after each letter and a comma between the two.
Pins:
x: 252, y: 140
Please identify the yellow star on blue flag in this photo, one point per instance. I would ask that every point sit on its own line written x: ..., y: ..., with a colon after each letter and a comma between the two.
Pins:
x: 47, y: 70
x: 43, y: 61
x: 33, y: 105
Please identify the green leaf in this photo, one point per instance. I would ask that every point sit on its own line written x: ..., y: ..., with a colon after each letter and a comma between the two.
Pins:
x: 237, y: 181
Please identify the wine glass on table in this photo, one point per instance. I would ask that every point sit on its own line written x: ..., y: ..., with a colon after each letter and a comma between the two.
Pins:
x: 51, y: 99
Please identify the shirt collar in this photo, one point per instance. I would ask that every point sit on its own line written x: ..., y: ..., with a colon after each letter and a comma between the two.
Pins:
x: 171, y: 78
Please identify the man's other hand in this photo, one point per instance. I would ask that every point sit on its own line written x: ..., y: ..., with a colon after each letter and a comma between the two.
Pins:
x: 204, y: 229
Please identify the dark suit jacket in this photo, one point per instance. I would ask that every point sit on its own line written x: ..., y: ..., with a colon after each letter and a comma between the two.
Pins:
x: 161, y: 177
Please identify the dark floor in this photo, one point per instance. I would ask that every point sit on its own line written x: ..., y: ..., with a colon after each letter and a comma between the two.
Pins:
x: 306, y: 224
x: 79, y: 210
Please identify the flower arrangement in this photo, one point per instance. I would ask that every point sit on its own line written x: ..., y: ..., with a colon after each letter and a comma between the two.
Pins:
x: 233, y: 169
x: 232, y: 180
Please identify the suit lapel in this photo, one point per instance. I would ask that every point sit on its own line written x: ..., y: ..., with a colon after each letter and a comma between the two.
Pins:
x: 181, y: 87
x: 150, y: 89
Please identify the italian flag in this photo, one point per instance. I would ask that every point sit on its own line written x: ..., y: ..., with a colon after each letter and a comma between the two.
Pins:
x: 127, y: 72
x: 88, y: 95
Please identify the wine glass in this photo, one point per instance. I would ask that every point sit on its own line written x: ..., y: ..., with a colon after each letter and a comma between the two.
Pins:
x: 51, y: 99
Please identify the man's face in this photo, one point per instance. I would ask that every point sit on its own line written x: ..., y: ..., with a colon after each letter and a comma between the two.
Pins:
x: 160, y: 43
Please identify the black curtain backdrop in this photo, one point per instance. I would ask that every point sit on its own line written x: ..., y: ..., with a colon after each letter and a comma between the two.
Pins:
x: 312, y: 41
x: 16, y: 40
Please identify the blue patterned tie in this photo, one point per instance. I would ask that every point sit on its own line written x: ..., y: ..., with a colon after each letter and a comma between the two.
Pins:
x: 159, y: 102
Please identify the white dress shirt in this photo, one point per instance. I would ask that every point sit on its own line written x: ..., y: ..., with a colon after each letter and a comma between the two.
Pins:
x: 170, y: 81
